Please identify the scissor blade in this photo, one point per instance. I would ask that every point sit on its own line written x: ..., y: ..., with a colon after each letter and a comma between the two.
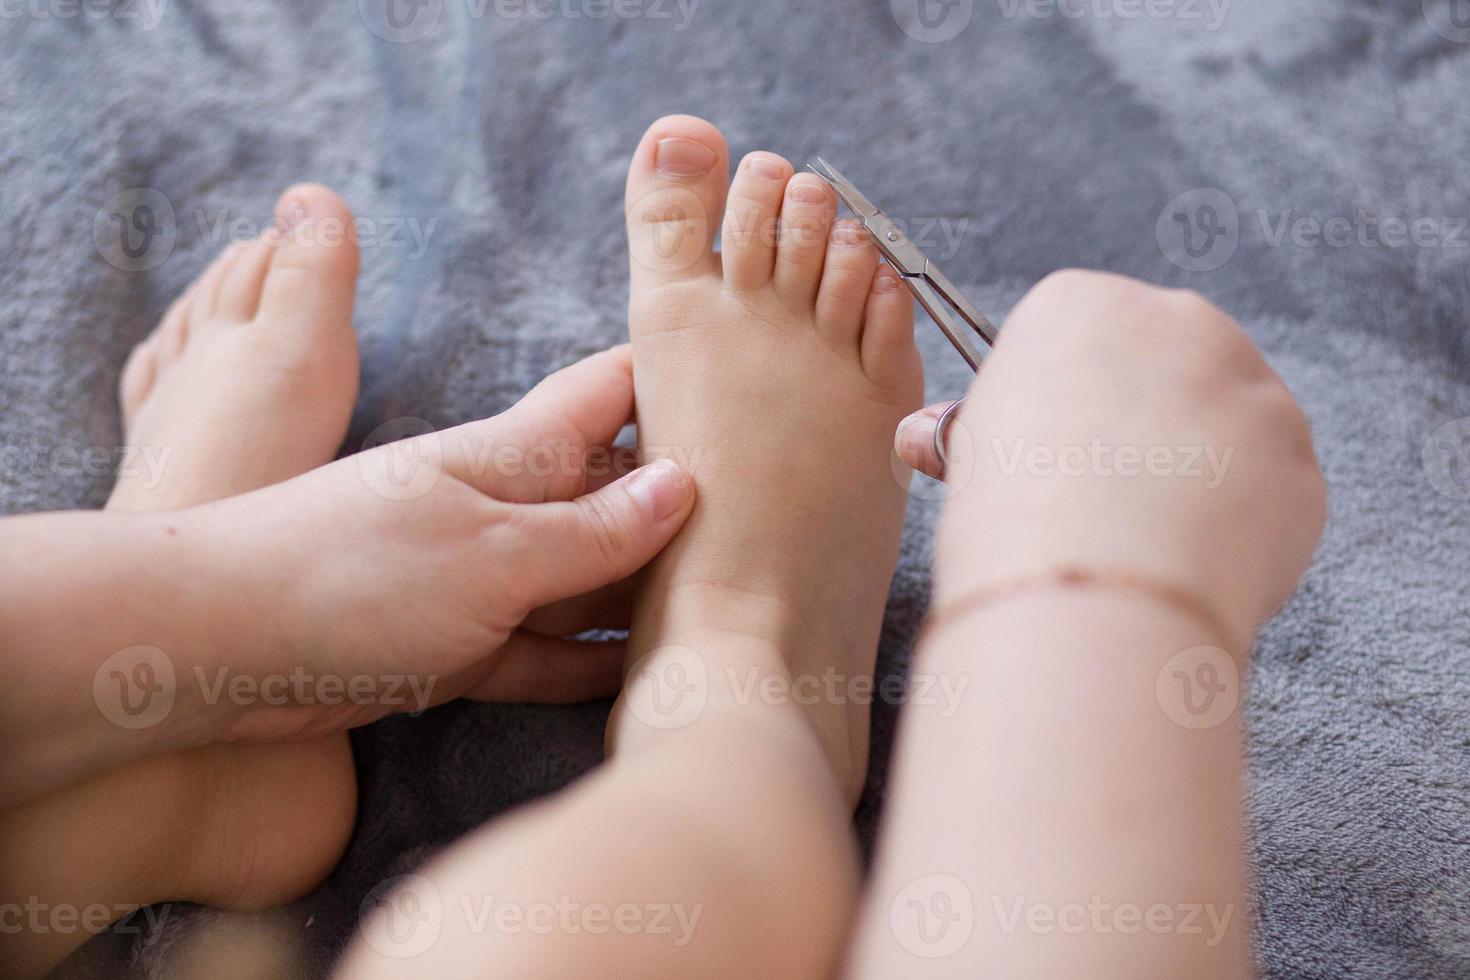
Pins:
x: 967, y: 311
x: 955, y: 315
x: 851, y: 196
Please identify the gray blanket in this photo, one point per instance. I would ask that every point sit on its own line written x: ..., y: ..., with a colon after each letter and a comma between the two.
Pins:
x: 1299, y: 163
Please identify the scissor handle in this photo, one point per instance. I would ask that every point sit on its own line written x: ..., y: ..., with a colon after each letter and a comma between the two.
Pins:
x: 941, y: 434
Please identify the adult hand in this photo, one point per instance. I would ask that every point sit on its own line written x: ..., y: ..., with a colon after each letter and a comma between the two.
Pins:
x: 1117, y: 425
x: 388, y: 581
x: 467, y: 557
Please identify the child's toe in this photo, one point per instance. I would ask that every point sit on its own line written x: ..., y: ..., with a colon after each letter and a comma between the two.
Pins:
x: 204, y: 294
x: 172, y: 333
x: 890, y: 358
x: 137, y: 378
x: 239, y: 293
x: 847, y: 276
x: 311, y: 278
x: 675, y: 196
x: 748, y: 240
x: 806, y: 223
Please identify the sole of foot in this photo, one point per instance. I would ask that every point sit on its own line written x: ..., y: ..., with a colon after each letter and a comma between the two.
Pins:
x: 249, y: 380
x: 777, y: 370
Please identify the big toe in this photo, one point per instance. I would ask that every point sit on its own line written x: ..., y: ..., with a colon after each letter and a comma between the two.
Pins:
x: 675, y: 200
x: 310, y: 280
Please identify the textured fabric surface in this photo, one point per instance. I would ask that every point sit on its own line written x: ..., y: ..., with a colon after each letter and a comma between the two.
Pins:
x: 1043, y: 134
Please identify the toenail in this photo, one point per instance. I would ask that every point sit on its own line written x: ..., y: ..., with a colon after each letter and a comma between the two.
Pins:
x: 676, y: 157
x: 807, y: 191
x: 765, y: 167
x: 887, y: 280
x: 290, y: 212
x: 848, y: 232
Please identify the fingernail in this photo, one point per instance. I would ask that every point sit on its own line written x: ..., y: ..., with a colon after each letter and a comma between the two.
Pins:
x: 660, y: 489
x: 914, y: 442
x: 765, y: 167
x: 676, y: 157
x: 887, y: 281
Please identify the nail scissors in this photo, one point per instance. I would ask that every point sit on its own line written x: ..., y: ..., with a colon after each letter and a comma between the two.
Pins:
x: 960, y: 320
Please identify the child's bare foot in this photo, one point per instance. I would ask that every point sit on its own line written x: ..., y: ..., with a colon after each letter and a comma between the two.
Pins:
x: 251, y: 376
x: 249, y: 380
x: 779, y: 368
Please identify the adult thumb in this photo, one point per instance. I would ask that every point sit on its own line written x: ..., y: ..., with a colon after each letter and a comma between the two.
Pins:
x: 576, y: 546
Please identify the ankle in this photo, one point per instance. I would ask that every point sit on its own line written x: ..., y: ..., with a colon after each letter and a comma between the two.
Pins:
x: 688, y: 676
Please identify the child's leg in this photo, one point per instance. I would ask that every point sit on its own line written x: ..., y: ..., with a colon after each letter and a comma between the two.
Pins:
x: 248, y: 381
x: 716, y: 842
